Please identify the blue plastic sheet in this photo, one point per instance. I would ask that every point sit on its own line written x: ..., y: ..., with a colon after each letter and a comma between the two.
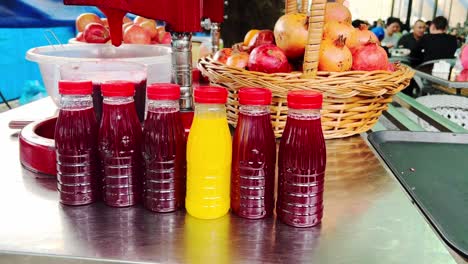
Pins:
x: 24, y: 24
x: 40, y: 13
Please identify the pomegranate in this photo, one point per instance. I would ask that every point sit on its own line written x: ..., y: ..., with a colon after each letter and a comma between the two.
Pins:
x: 150, y: 27
x: 333, y: 29
x: 80, y: 37
x: 139, y: 19
x: 166, y: 38
x: 464, y: 57
x: 105, y: 22
x: 222, y: 55
x: 291, y: 31
x: 96, y: 33
x: 126, y: 20
x: 238, y: 60
x: 249, y: 36
x: 370, y: 57
x: 337, y: 12
x: 135, y: 34
x: 262, y: 37
x: 84, y: 19
x: 268, y: 58
x: 391, y: 67
x: 360, y: 37
x: 161, y: 32
x: 334, y: 56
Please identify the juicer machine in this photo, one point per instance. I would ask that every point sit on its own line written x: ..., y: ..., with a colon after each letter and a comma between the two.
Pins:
x: 182, y: 18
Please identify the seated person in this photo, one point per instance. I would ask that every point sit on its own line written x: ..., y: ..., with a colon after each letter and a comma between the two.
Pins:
x: 438, y: 44
x: 410, y: 40
x: 392, y: 32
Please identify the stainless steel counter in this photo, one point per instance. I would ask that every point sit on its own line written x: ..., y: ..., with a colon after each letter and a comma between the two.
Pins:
x: 368, y: 219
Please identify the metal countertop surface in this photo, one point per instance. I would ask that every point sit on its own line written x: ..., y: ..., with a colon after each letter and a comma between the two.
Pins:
x: 368, y: 219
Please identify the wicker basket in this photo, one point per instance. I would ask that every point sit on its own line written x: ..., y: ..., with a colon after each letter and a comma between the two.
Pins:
x: 353, y: 100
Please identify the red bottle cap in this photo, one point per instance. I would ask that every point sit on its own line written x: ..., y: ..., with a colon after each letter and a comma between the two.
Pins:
x: 163, y: 91
x: 254, y: 96
x: 118, y: 88
x: 302, y: 99
x: 210, y: 95
x: 75, y: 87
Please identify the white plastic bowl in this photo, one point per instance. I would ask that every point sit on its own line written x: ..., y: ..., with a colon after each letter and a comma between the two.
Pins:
x: 157, y: 59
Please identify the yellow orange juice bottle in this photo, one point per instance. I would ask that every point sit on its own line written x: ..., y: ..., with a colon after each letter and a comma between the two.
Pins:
x: 209, y: 150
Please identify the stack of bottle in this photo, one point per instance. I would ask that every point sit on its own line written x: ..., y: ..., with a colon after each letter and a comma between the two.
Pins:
x: 209, y: 173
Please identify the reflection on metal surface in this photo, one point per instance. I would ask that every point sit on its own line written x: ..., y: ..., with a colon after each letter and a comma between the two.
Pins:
x: 368, y: 219
x: 44, y: 186
x: 353, y: 174
x: 207, y: 241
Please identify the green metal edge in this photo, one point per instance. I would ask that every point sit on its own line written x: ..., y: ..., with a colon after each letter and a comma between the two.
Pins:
x: 428, y: 114
x: 378, y: 127
x: 403, y: 119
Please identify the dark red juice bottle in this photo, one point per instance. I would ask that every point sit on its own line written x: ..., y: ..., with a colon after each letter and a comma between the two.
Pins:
x: 139, y: 98
x: 301, y: 162
x: 253, y: 156
x: 76, y: 144
x: 120, y: 138
x: 164, y: 150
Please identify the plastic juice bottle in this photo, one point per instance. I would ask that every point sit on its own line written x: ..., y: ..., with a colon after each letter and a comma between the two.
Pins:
x: 253, y: 156
x: 139, y: 97
x: 120, y: 145
x: 301, y: 162
x: 164, y: 150
x: 76, y: 144
x: 209, y: 155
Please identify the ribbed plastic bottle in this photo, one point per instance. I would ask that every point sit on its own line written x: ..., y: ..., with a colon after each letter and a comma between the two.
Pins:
x: 209, y: 152
x: 301, y: 162
x: 76, y: 144
x: 163, y: 149
x: 253, y: 156
x: 120, y: 138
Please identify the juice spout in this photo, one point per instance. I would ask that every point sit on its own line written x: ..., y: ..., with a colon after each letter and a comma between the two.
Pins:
x: 115, y: 17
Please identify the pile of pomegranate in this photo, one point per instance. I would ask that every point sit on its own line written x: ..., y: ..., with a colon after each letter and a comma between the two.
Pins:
x: 93, y: 29
x: 343, y: 48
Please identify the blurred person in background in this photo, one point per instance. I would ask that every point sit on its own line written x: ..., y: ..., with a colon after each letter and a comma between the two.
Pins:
x: 437, y: 44
x: 410, y: 41
x: 377, y: 23
x: 358, y: 22
x: 379, y: 32
x: 392, y: 32
x: 428, y: 25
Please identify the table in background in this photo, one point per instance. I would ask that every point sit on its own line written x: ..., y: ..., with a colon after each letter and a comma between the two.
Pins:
x: 448, y: 84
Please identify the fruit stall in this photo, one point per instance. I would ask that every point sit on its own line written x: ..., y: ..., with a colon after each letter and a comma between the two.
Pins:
x: 288, y: 147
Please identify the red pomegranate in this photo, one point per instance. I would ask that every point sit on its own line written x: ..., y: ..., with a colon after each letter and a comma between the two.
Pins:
x: 268, y: 58
x: 360, y: 37
x: 370, y: 57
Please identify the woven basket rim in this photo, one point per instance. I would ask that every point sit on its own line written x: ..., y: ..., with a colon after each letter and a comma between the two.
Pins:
x: 332, y: 84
